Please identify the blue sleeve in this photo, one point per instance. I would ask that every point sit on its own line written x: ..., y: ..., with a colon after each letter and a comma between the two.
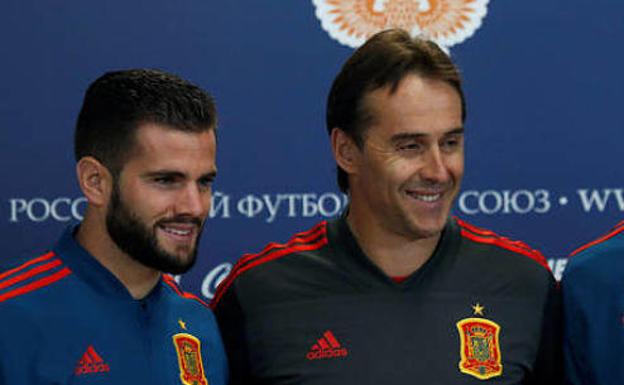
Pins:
x: 593, y: 303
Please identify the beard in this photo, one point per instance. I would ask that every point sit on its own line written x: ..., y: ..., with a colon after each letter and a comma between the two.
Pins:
x: 135, y: 238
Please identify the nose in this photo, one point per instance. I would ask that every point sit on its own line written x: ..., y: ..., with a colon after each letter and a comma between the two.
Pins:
x: 193, y: 201
x: 434, y: 168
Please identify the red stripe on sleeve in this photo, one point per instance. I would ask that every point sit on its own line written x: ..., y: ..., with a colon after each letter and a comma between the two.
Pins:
x: 36, y: 284
x: 171, y: 282
x: 30, y: 273
x: 489, y: 233
x: 533, y: 254
x: 25, y: 265
x: 274, y: 255
x: 196, y: 298
x: 615, y: 231
x: 298, y: 238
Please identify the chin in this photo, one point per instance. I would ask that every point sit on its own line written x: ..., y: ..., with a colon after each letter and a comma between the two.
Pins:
x: 431, y: 229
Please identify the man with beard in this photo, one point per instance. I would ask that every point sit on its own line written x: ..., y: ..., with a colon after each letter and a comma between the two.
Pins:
x: 395, y: 291
x: 97, y: 308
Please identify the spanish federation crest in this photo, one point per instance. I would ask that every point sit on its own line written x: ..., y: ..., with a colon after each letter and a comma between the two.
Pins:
x: 480, y: 348
x: 446, y: 22
x: 190, y: 359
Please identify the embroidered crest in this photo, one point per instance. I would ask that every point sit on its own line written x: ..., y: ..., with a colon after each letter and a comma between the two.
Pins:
x: 189, y: 359
x: 447, y: 22
x: 480, y: 348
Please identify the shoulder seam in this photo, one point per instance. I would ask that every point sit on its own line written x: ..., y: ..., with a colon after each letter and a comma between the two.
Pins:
x: 479, y: 235
x: 312, y: 239
x: 169, y: 281
x: 610, y: 234
x: 302, y: 237
x: 484, y: 233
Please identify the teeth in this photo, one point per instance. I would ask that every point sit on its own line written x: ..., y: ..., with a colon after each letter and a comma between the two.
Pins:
x: 176, y: 231
x: 427, y: 198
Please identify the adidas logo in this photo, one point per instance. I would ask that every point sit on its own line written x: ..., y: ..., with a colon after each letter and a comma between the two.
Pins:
x: 91, y: 362
x: 326, y: 347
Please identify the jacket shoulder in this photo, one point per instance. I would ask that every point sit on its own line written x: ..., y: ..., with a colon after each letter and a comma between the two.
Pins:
x: 614, y: 238
x: 171, y: 284
x: 310, y: 240
x: 483, y: 236
x: 31, y: 276
x: 599, y: 260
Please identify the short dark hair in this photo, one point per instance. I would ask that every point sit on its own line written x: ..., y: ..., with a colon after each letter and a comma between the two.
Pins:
x: 118, y: 102
x: 384, y: 60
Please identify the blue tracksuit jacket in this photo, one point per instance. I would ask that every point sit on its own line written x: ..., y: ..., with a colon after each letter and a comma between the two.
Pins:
x: 65, y: 319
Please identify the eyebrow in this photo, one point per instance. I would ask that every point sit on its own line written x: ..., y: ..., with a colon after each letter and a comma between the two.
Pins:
x: 415, y: 135
x: 176, y: 174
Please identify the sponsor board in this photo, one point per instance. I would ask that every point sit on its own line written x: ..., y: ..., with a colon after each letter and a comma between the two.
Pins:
x: 539, y: 201
x: 273, y: 206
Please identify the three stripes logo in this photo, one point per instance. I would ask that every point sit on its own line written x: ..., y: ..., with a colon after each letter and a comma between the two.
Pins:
x: 31, y: 276
x: 327, y: 347
x: 90, y: 363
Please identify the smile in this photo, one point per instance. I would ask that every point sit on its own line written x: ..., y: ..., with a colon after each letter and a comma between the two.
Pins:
x: 425, y: 197
x: 176, y: 231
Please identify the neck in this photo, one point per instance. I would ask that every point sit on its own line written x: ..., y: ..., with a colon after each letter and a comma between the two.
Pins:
x: 138, y: 279
x: 395, y: 254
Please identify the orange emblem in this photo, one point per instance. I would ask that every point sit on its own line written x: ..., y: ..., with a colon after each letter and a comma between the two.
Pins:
x: 480, y: 348
x: 446, y: 22
x: 190, y: 360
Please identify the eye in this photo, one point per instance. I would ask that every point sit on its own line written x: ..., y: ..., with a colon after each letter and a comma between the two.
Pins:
x: 410, y: 146
x: 205, y: 183
x: 451, y: 143
x: 164, y: 180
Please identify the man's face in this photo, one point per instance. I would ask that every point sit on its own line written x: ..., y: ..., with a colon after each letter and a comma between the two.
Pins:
x: 162, y: 197
x: 409, y: 170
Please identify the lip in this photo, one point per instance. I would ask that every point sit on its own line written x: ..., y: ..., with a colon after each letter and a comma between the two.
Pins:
x: 178, y: 232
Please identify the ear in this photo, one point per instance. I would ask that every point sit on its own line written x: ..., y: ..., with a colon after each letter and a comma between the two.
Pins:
x: 95, y: 180
x: 345, y: 150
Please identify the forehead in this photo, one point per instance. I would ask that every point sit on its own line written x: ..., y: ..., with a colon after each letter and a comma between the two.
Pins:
x: 418, y: 105
x: 159, y: 146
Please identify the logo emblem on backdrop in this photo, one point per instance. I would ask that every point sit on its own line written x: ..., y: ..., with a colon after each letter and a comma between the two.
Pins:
x: 446, y: 22
x: 188, y: 348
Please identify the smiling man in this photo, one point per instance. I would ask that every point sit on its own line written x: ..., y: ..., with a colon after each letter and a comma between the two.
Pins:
x: 395, y: 291
x: 97, y: 308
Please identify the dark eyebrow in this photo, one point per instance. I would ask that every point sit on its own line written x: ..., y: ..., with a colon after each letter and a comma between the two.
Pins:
x: 415, y: 135
x: 164, y: 173
x: 456, y: 131
x: 176, y: 174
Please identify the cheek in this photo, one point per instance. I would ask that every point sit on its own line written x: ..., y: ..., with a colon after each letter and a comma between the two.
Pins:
x: 149, y: 204
x: 456, y: 167
x: 401, y: 170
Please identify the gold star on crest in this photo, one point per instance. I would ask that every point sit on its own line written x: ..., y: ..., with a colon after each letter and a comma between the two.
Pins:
x: 182, y: 324
x: 478, y: 309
